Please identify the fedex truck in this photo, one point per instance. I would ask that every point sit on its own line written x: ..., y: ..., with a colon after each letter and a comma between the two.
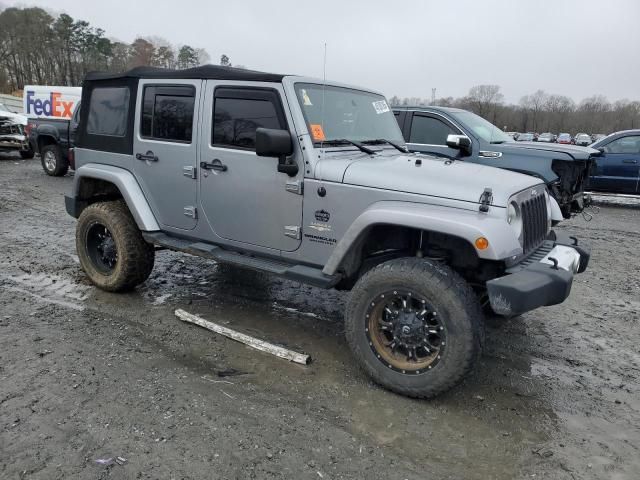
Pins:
x: 52, y: 114
x: 55, y: 103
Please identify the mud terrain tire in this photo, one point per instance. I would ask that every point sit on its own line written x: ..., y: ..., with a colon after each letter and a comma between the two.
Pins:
x: 459, y: 315
x: 134, y: 258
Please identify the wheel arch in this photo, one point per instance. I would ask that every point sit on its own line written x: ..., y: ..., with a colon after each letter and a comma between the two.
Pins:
x: 93, y: 183
x: 46, y: 140
x: 463, y: 226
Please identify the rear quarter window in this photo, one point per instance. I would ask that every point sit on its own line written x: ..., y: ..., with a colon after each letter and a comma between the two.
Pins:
x: 108, y: 111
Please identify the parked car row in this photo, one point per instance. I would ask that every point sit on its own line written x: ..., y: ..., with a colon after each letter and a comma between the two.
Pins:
x: 582, y: 139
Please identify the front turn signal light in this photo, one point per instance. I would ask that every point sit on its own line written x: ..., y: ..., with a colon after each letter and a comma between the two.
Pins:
x: 482, y: 243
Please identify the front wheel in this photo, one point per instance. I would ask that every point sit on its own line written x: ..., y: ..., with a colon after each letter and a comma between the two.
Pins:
x: 415, y: 326
x: 27, y: 154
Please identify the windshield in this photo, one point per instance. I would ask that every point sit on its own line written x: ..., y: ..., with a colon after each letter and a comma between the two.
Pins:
x: 485, y: 130
x: 337, y: 113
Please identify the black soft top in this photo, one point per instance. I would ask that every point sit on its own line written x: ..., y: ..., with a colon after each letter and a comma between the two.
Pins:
x: 214, y: 72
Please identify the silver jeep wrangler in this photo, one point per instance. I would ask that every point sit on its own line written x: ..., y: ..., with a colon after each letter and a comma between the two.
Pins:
x: 310, y: 180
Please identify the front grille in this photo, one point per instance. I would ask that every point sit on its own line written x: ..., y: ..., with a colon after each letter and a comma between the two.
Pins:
x: 534, y: 222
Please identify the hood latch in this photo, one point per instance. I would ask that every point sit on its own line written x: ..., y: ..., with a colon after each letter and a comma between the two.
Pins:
x: 485, y: 200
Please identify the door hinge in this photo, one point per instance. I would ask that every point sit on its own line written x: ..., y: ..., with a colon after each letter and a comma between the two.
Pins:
x: 191, y: 212
x: 294, y: 186
x: 190, y: 172
x: 292, y: 231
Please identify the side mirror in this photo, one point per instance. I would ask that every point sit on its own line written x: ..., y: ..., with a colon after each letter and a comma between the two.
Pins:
x: 459, y: 142
x: 271, y: 142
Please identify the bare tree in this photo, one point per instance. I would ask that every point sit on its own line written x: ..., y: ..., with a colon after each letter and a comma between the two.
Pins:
x: 534, y: 103
x: 38, y: 48
x: 484, y: 99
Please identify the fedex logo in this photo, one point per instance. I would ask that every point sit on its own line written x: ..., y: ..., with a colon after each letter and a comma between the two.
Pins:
x: 53, y: 106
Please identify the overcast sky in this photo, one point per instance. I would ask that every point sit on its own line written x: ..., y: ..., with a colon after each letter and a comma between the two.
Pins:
x: 405, y: 48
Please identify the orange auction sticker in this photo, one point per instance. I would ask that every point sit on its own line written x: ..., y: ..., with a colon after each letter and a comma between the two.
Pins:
x: 316, y: 132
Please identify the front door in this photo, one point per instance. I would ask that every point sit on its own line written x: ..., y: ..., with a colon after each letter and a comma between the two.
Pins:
x: 618, y: 168
x: 244, y: 197
x: 428, y: 134
x: 165, y: 149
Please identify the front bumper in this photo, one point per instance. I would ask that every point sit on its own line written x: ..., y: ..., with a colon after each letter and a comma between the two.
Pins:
x: 13, y: 141
x: 543, y: 279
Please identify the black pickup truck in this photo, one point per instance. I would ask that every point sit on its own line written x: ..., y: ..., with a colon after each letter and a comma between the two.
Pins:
x: 461, y: 135
x: 52, y: 139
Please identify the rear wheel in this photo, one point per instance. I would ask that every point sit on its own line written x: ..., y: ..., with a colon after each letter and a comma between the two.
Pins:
x: 52, y: 161
x: 110, y: 247
x: 414, y: 326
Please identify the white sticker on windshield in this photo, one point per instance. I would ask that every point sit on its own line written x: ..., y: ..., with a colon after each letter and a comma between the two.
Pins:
x: 381, y: 106
x: 305, y: 99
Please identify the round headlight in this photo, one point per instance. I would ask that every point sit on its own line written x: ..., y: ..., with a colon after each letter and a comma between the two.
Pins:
x: 512, y: 213
x: 514, y: 217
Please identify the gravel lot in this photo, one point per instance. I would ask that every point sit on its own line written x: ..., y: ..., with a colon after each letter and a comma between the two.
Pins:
x: 87, y: 375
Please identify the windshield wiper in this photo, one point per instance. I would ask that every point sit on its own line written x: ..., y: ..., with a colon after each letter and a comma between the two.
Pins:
x: 384, y: 140
x: 352, y: 142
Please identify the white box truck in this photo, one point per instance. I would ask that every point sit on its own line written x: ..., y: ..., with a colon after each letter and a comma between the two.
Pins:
x: 44, y: 101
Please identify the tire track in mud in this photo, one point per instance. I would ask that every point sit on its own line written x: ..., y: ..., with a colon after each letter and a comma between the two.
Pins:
x: 46, y: 288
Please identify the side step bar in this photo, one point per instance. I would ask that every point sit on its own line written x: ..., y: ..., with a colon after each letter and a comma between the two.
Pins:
x: 299, y: 273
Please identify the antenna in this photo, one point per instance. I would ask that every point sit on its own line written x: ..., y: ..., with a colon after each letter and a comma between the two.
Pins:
x: 324, y: 66
x: 324, y: 83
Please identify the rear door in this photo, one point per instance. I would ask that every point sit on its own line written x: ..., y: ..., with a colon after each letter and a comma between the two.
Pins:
x: 618, y: 168
x: 428, y: 133
x: 165, y: 149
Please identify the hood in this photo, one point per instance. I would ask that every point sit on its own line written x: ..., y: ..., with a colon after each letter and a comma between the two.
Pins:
x: 13, y: 117
x: 421, y: 174
x: 575, y: 152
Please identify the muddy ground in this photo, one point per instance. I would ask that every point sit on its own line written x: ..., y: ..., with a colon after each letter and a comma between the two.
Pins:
x: 87, y: 375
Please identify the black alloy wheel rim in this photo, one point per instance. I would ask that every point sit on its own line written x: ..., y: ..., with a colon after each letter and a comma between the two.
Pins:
x: 405, y: 332
x: 101, y: 248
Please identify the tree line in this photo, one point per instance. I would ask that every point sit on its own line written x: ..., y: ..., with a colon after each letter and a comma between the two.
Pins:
x: 38, y: 48
x: 541, y: 111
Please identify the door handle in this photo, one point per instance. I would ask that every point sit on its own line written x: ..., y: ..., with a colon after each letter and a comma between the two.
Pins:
x: 629, y: 160
x: 216, y: 165
x: 147, y: 157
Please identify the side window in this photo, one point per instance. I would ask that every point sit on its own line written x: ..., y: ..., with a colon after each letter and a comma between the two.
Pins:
x: 429, y: 130
x: 624, y: 145
x: 108, y: 109
x: 76, y: 114
x: 167, y: 113
x: 238, y: 113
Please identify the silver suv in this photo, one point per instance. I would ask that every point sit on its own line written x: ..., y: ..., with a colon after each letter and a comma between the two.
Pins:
x: 311, y: 181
